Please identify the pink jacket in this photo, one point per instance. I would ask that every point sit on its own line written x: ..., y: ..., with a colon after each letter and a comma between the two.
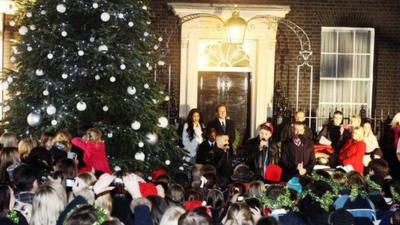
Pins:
x: 94, y: 154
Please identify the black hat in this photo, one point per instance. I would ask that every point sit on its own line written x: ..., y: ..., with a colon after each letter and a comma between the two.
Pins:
x: 242, y: 173
x: 341, y: 217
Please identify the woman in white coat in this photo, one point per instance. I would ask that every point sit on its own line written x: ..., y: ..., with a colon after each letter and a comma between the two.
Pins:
x: 193, y: 132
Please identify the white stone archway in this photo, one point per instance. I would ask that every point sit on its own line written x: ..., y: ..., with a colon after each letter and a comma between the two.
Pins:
x: 261, y: 40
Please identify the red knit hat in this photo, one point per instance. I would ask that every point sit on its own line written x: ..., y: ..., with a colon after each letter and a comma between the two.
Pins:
x: 268, y: 126
x: 147, y: 189
x: 192, y: 204
x: 273, y: 173
x: 157, y: 173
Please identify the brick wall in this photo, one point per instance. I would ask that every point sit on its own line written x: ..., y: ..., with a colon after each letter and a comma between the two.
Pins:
x: 311, y: 15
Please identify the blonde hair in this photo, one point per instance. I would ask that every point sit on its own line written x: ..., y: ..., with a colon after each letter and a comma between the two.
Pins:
x: 88, y: 178
x: 358, y: 133
x: 395, y: 121
x: 105, y: 202
x: 355, y: 118
x: 9, y: 139
x: 94, y: 134
x: 25, y: 147
x: 8, y: 156
x: 171, y: 215
x: 49, y: 201
x: 256, y: 189
x: 63, y: 137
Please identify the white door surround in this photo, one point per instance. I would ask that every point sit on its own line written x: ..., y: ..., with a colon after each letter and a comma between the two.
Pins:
x: 261, y: 36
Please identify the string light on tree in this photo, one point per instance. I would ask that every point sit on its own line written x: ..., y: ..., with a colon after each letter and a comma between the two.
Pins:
x: 64, y: 33
x: 167, y: 162
x: 113, y: 79
x: 140, y: 144
x: 105, y: 108
x: 54, y: 122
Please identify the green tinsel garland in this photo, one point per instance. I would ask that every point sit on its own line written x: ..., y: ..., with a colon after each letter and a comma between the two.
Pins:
x: 13, y: 216
x: 283, y: 201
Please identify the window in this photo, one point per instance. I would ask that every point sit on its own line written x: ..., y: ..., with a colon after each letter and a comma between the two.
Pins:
x: 346, y: 72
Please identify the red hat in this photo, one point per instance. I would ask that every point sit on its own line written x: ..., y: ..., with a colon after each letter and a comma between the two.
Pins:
x: 192, y: 204
x: 273, y: 173
x: 147, y: 189
x: 268, y: 126
x: 157, y: 173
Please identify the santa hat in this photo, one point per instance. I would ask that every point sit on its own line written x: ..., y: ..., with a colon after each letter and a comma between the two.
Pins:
x: 147, y: 189
x: 157, y: 173
x: 193, y: 204
x: 273, y: 173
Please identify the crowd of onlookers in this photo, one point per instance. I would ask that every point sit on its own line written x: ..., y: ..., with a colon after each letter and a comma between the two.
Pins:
x: 343, y: 175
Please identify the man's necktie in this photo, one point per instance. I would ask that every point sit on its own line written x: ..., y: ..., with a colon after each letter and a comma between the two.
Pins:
x: 223, y: 126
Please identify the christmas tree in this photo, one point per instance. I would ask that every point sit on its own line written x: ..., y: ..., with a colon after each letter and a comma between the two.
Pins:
x: 88, y: 63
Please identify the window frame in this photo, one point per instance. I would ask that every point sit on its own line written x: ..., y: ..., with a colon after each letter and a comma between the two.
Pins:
x: 369, y: 78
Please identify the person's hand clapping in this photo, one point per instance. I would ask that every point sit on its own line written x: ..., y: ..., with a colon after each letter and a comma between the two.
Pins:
x: 131, y: 183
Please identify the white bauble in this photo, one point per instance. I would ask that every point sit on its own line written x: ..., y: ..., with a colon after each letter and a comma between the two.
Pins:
x: 12, y: 23
x: 135, y: 125
x: 6, y: 108
x: 181, y: 168
x: 10, y: 79
x: 51, y: 110
x: 162, y: 122
x: 4, y: 86
x: 50, y: 56
x: 54, y: 122
x: 130, y: 24
x: 155, y: 47
x: 43, y: 12
x: 33, y: 119
x: 166, y: 98
x: 105, y: 17
x: 146, y: 34
x: 122, y: 66
x: 64, y: 33
x: 110, y: 135
x: 105, y: 108
x: 131, y: 90
x: 81, y: 53
x: 46, y: 92
x: 120, y: 15
x: 81, y: 106
x: 95, y: 5
x: 167, y: 162
x: 160, y: 39
x: 151, y: 138
x: 146, y: 86
x: 13, y: 59
x: 91, y: 39
x: 144, y: 7
x: 150, y: 68
x: 140, y: 156
x: 113, y: 79
x: 103, y: 48
x: 64, y: 76
x: 61, y: 8
x: 97, y: 77
x: 23, y: 30
x: 161, y: 63
x: 39, y: 72
x: 140, y: 144
x: 32, y: 27
x: 29, y: 48
x: 29, y: 14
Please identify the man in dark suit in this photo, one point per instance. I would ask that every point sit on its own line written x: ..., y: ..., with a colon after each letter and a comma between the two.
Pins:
x: 298, y: 157
x: 206, y: 151
x: 286, y: 132
x: 260, y: 151
x: 222, y: 124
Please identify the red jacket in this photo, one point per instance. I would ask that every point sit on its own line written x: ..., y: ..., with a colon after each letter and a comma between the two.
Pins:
x: 352, y: 153
x: 94, y: 154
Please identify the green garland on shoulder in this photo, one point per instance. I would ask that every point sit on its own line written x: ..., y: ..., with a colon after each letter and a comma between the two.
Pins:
x: 13, y: 216
x: 395, y: 195
x: 326, y: 201
x: 283, y: 201
x: 102, y: 216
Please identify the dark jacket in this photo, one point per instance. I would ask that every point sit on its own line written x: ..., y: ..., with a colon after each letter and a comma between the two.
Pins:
x: 79, y: 200
x: 292, y: 155
x: 253, y: 153
x: 224, y: 164
x: 229, y: 128
x: 287, y: 132
x: 206, y: 153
